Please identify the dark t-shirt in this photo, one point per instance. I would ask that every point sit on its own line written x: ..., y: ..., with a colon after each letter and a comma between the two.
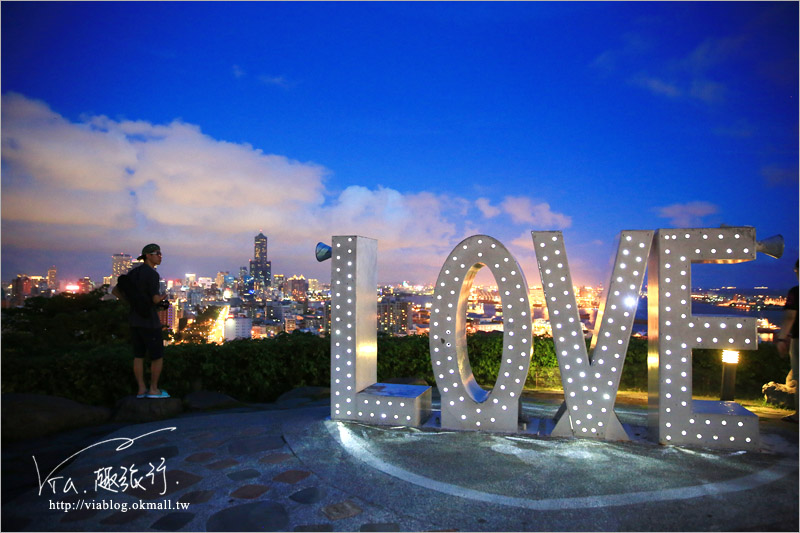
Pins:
x: 791, y: 304
x: 146, y: 280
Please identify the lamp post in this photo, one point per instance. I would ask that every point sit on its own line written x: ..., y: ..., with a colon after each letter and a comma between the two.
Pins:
x: 730, y: 359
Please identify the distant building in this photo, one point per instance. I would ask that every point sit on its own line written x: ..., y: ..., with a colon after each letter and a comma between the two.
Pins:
x: 170, y: 317
x: 296, y: 288
x: 394, y: 317
x: 52, y: 279
x: 85, y: 285
x: 273, y: 310
x: 238, y: 328
x: 120, y: 264
x: 20, y: 289
x: 260, y: 267
x: 278, y: 281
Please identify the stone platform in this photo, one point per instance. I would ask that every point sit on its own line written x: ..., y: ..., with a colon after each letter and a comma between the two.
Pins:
x: 262, y: 468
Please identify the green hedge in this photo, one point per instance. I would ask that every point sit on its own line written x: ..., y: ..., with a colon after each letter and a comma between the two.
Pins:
x: 262, y: 370
x: 75, y: 346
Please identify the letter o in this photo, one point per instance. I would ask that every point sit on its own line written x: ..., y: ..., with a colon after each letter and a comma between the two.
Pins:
x: 465, y: 404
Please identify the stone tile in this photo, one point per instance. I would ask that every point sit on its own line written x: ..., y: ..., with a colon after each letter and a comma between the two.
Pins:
x: 224, y: 463
x: 256, y: 445
x: 155, y: 442
x: 120, y: 518
x: 197, y: 496
x: 250, y: 492
x: 291, y: 476
x: 200, y: 457
x: 202, y: 436
x: 254, y: 516
x: 314, y: 527
x: 102, y: 454
x: 309, y: 495
x: 241, y: 475
x: 211, y: 444
x: 172, y: 521
x: 252, y: 431
x: 153, y: 456
x: 175, y: 480
x: 380, y: 526
x: 338, y: 511
x: 275, y: 458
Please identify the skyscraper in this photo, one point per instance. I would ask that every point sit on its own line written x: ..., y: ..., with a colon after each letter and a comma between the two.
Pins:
x: 260, y: 268
x: 120, y: 264
x: 297, y: 288
x: 52, y: 278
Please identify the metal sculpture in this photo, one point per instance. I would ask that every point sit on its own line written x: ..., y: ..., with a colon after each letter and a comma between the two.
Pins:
x: 355, y: 395
x: 672, y: 332
x: 465, y: 404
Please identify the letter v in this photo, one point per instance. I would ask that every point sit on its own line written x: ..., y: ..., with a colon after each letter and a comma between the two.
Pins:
x: 591, y: 384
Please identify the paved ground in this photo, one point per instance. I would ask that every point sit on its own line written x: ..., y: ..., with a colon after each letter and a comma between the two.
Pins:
x: 268, y: 469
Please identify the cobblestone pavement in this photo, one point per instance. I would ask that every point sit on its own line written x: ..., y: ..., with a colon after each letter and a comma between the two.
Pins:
x: 296, y: 470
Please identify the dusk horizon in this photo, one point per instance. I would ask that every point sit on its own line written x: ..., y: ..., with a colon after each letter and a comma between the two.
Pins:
x: 199, y: 125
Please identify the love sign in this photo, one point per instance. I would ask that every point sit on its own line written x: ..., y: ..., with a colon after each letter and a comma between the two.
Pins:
x: 590, y: 378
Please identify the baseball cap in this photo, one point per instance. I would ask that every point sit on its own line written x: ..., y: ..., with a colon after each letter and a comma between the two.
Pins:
x: 149, y: 249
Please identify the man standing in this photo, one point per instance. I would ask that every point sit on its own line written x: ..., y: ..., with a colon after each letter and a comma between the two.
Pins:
x: 146, y: 335
x: 787, y: 342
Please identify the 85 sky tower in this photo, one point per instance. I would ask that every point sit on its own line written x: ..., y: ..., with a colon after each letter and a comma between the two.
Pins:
x: 260, y: 268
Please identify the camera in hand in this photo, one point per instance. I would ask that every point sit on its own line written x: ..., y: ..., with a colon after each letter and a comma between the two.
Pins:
x: 163, y: 304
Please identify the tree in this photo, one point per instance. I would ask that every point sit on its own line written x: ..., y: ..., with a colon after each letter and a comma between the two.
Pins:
x: 64, y: 323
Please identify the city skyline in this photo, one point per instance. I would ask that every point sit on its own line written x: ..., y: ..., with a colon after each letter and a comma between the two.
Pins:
x: 414, y: 124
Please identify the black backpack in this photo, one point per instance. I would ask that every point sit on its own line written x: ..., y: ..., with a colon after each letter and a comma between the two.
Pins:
x: 135, y: 298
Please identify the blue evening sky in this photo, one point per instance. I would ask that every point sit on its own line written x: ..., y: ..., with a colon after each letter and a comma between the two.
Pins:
x: 197, y: 125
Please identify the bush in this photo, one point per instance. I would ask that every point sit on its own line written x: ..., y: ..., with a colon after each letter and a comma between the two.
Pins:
x: 65, y: 322
x: 262, y: 370
x: 755, y: 368
x: 100, y: 376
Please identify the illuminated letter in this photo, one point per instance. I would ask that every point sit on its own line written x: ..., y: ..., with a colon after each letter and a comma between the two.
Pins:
x: 590, y: 385
x: 465, y: 405
x: 354, y: 393
x: 674, y: 418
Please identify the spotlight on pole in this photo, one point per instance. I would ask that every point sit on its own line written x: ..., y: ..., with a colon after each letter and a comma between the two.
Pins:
x: 730, y: 359
x: 323, y: 252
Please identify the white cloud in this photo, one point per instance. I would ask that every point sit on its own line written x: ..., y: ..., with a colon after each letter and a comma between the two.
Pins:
x: 280, y: 81
x: 776, y: 176
x: 657, y: 86
x: 708, y: 91
x: 98, y: 183
x: 539, y: 215
x: 687, y: 215
x: 488, y: 210
x: 398, y: 221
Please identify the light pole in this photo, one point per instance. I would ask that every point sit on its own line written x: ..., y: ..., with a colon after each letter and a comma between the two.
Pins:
x: 730, y: 359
